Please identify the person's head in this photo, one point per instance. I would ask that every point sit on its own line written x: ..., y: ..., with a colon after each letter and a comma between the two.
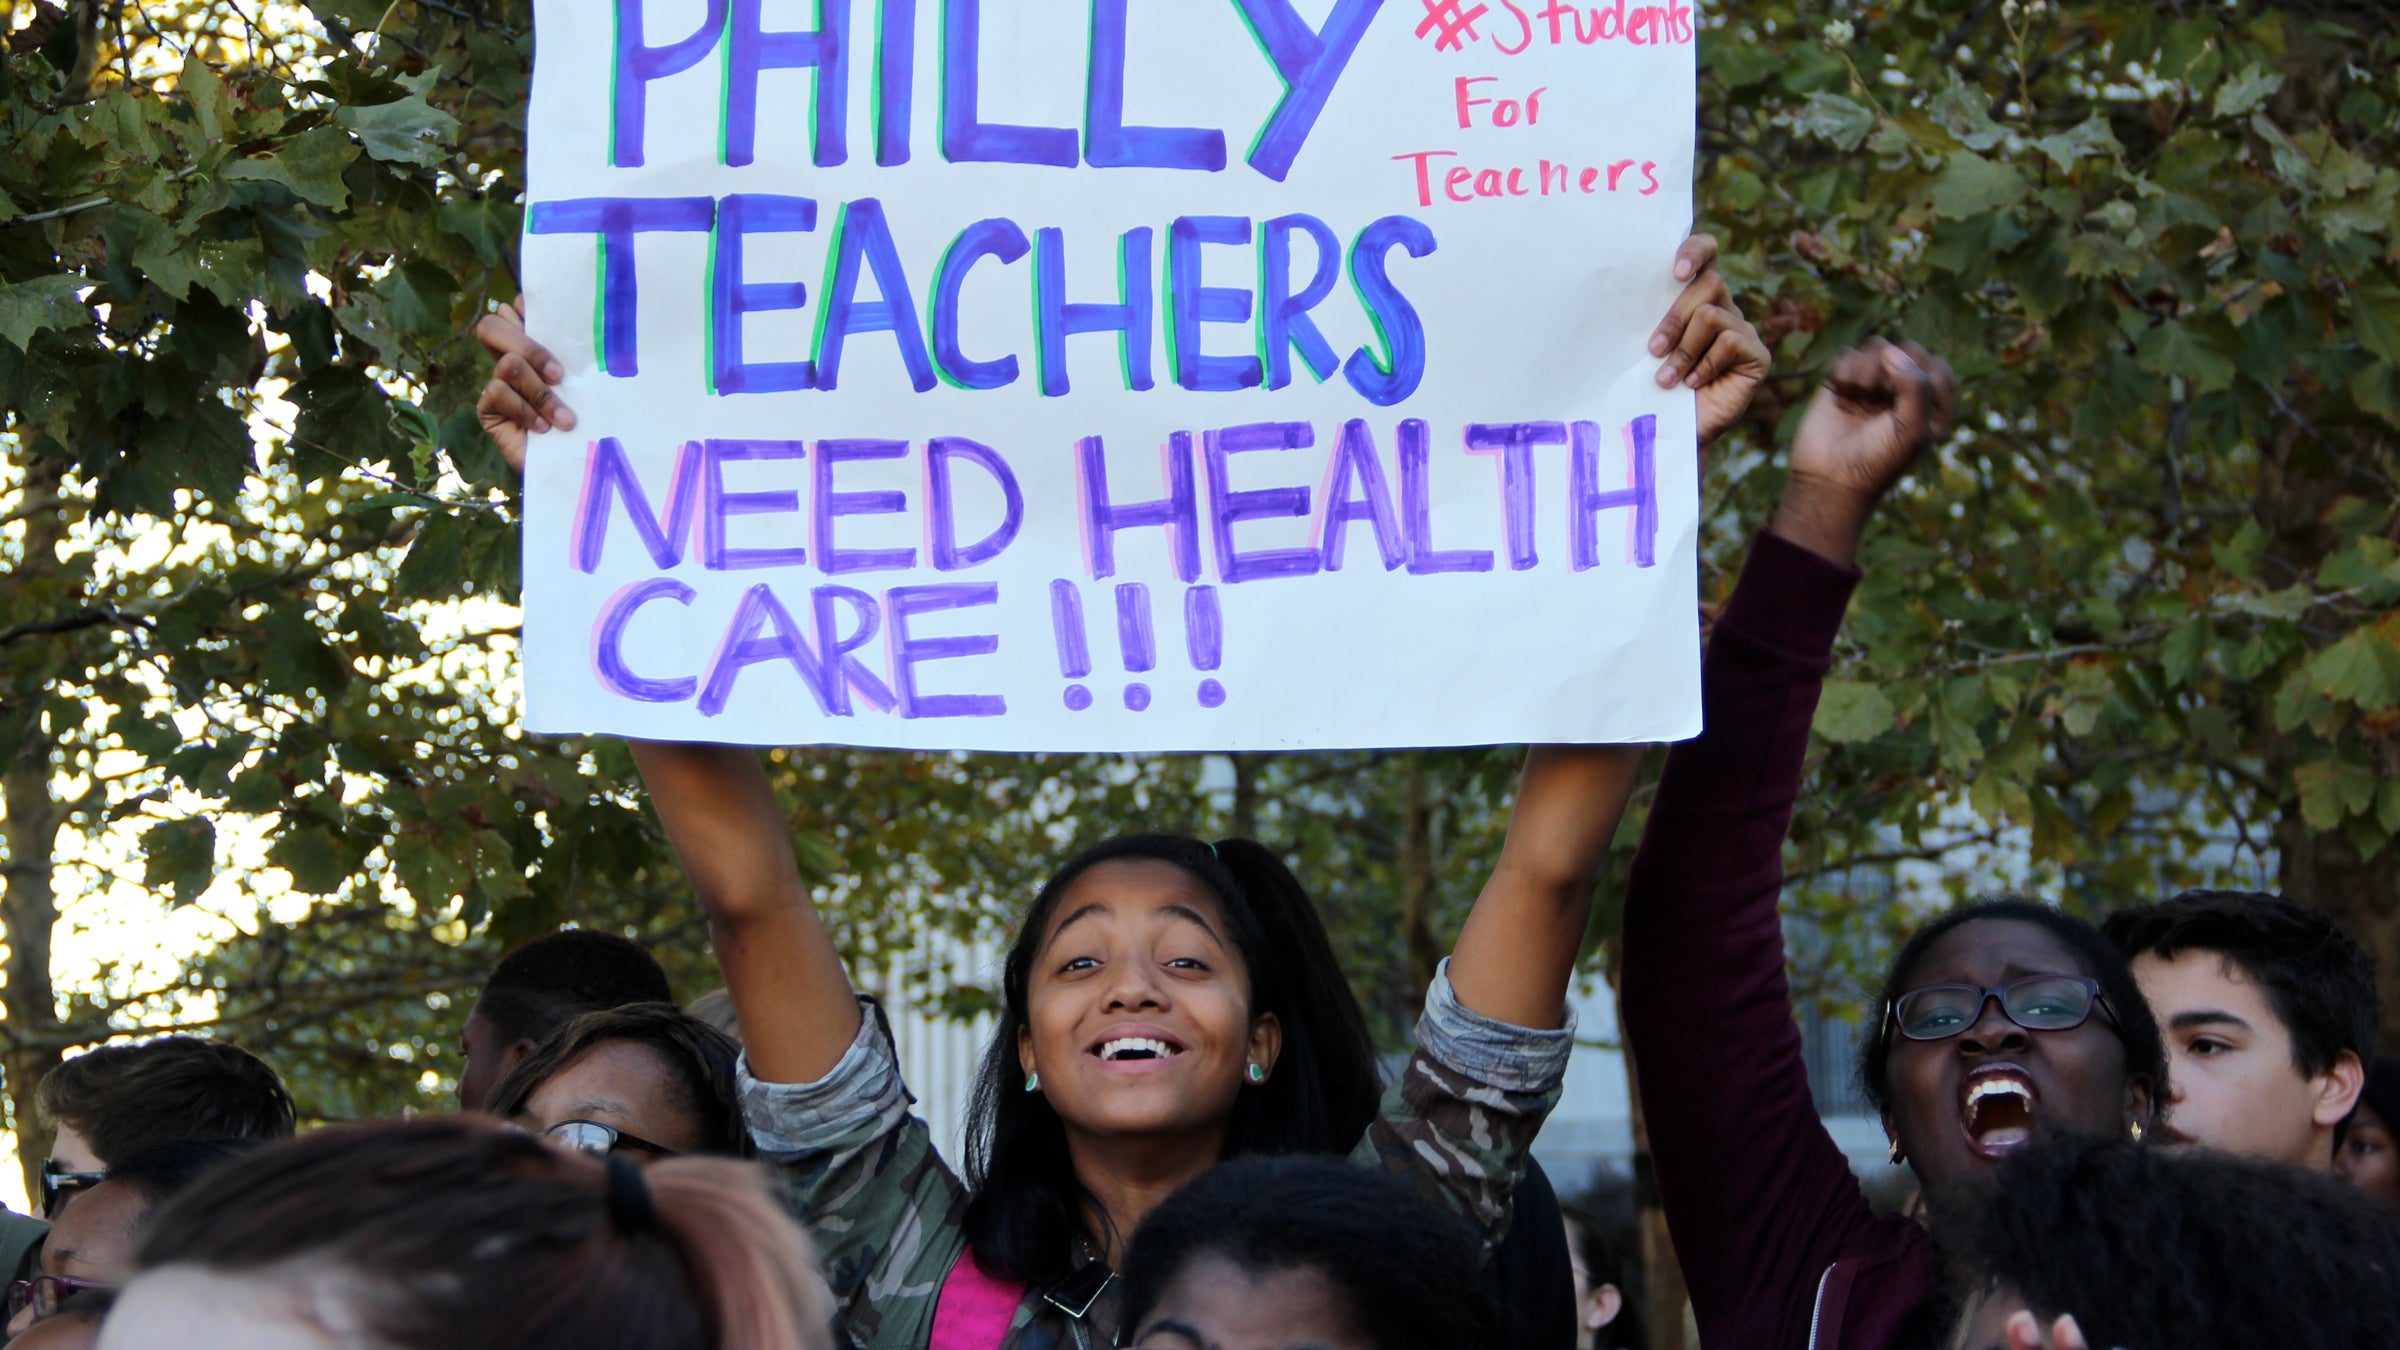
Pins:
x: 1963, y: 1077
x: 461, y: 1234
x: 1166, y: 989
x: 656, y: 1080
x: 2165, y: 1249
x: 716, y: 1008
x: 89, y: 1250
x: 1268, y: 1253
x: 2369, y: 1157
x: 2269, y: 1011
x: 1604, y: 1246
x: 116, y: 1100
x: 537, y: 988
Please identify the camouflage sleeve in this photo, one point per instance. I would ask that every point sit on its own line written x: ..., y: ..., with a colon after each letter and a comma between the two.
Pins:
x: 1460, y: 1121
x: 863, y: 1176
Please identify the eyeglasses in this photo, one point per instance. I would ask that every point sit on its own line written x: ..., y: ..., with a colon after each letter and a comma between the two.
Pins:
x: 598, y: 1140
x: 47, y: 1294
x: 1938, y: 1012
x: 60, y: 1185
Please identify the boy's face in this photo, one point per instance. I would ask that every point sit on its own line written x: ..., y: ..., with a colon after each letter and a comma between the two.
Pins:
x: 2234, y: 1083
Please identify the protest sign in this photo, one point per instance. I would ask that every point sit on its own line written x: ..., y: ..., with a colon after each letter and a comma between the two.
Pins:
x: 1139, y: 374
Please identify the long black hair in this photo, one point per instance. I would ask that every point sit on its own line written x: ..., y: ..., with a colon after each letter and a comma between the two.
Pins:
x: 1027, y: 1206
x: 2145, y: 1049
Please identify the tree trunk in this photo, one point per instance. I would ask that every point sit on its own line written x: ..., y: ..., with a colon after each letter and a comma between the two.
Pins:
x: 1419, y: 882
x: 28, y: 903
x: 1245, y: 793
x: 2298, y: 490
x: 2362, y: 895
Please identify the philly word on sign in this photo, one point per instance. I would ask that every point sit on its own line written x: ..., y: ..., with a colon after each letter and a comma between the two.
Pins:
x: 1111, y: 375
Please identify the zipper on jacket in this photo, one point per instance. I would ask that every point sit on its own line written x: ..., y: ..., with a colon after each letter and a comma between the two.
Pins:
x: 1816, y: 1313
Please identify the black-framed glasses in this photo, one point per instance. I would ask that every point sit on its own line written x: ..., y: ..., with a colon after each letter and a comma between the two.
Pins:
x: 60, y: 1185
x: 1938, y: 1012
x: 598, y: 1140
x: 47, y: 1294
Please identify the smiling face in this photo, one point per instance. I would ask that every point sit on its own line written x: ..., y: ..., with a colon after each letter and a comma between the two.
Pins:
x: 1138, y: 1012
x: 623, y: 1084
x: 1960, y: 1105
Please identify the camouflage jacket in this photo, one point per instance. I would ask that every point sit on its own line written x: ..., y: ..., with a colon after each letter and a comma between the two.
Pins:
x: 886, y: 1210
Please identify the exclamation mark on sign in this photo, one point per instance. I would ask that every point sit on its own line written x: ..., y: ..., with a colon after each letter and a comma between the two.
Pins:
x: 1074, y: 659
x: 1134, y: 639
x: 1204, y: 637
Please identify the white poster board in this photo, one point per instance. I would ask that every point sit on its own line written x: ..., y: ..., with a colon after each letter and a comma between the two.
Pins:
x: 1123, y: 375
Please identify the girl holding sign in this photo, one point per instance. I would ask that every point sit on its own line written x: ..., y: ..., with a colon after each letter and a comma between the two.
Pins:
x: 1168, y: 1003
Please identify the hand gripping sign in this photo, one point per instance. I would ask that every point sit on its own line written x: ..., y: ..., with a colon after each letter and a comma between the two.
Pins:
x: 1132, y: 374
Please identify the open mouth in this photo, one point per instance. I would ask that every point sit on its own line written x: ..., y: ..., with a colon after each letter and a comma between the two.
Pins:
x: 1997, y: 1110
x: 1132, y: 1049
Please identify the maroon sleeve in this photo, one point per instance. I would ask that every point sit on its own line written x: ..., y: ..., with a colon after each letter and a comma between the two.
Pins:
x: 1758, y: 1198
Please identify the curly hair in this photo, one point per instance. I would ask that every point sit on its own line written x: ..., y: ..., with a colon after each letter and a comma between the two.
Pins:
x: 2168, y: 1249
x: 1407, y: 1268
x: 2145, y: 1049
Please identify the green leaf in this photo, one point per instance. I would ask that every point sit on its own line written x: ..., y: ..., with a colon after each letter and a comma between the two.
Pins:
x: 1970, y: 185
x: 2387, y: 805
x: 311, y: 166
x: 410, y: 131
x: 1852, y: 711
x: 2375, y: 310
x: 1965, y: 112
x: 2089, y: 137
x: 2241, y: 555
x: 2361, y: 668
x: 180, y: 857
x: 313, y: 857
x: 44, y: 302
x: 2377, y: 389
x: 2180, y: 655
x: 2331, y: 791
x: 2247, y: 92
x: 435, y: 566
x: 2192, y: 349
x: 1843, y: 121
x: 417, y: 295
x: 211, y: 104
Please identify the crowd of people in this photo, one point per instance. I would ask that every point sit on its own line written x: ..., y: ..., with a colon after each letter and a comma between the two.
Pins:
x: 2163, y: 1132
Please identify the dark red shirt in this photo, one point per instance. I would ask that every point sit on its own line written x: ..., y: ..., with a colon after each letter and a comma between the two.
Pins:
x: 1778, y: 1245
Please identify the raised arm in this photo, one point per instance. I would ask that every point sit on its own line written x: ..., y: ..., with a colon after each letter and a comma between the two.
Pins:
x: 1760, y: 1200
x: 797, y: 1010
x: 1516, y: 954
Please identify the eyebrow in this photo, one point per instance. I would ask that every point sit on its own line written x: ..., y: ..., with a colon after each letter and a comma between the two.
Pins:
x: 1069, y: 922
x: 1178, y: 911
x: 1168, y: 1326
x: 2206, y: 1017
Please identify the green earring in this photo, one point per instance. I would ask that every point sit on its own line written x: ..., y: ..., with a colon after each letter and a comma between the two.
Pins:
x: 1258, y: 1074
x: 1033, y: 1082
